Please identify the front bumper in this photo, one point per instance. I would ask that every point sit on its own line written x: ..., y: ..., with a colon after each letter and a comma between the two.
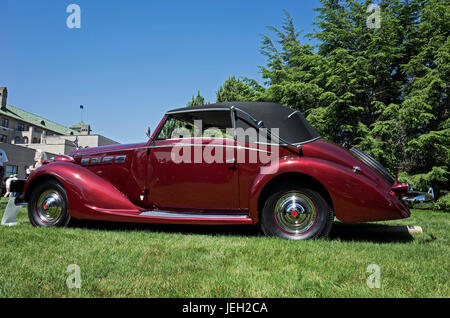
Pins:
x: 17, y: 187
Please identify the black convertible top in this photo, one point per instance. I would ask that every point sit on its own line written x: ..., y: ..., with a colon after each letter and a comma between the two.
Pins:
x: 292, y: 125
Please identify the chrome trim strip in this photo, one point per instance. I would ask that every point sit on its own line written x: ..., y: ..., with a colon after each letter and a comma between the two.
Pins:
x: 197, y: 110
x: 95, y: 160
x: 67, y: 156
x: 108, y: 159
x: 85, y: 161
x: 210, y: 145
x: 193, y: 215
x: 199, y: 144
x: 233, y: 121
x: 201, y: 137
x: 108, y: 151
x: 305, y: 142
x: 120, y: 159
x: 217, y: 138
x: 260, y: 124
x: 290, y: 115
x: 234, y: 108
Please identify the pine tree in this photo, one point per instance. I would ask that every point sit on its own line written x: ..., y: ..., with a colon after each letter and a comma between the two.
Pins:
x: 244, y: 89
x: 420, y: 124
x: 384, y: 90
x: 197, y: 101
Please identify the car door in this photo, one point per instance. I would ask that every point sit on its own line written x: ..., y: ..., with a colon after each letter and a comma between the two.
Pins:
x: 193, y: 174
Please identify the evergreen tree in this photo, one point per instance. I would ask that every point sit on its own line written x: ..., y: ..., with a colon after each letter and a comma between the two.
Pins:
x: 197, y: 101
x: 416, y: 132
x: 244, y: 89
x: 384, y: 90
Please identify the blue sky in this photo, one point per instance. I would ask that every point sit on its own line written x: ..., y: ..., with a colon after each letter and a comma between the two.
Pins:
x: 131, y: 61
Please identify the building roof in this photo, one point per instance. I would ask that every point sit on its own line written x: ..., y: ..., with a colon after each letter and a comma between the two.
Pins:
x: 36, y: 120
x: 78, y: 125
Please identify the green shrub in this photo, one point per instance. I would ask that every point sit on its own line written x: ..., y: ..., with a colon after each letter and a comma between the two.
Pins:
x: 435, y: 178
x: 443, y: 203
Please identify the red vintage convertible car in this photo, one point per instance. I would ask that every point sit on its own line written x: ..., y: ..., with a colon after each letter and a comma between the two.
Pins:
x: 208, y: 165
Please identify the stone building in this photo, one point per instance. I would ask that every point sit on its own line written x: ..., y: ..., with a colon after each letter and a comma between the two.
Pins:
x: 19, y: 159
x: 22, y: 132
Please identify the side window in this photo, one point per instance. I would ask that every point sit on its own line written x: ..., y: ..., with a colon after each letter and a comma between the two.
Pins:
x: 217, y: 131
x: 248, y: 133
x: 172, y: 128
x: 215, y: 124
x: 207, y: 124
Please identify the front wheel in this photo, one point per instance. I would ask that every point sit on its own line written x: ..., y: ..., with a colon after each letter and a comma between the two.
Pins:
x: 48, y: 205
x: 296, y: 212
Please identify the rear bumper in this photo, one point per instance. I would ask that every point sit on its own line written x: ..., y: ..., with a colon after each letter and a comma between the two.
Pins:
x: 401, y: 192
x: 416, y: 199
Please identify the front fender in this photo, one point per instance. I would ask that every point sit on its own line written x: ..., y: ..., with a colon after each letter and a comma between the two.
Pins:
x: 355, y: 197
x: 88, y: 195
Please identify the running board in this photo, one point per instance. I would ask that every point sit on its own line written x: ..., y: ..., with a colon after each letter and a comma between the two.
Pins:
x: 161, y: 214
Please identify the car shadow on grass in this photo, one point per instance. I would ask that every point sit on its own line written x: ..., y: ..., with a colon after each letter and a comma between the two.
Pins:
x: 215, y: 230
x: 368, y: 232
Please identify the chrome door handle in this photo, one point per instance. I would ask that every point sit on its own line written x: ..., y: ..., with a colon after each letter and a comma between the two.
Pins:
x: 232, y: 162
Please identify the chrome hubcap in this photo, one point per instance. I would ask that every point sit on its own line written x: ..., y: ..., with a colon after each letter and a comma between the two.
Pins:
x: 49, y: 206
x: 295, y: 213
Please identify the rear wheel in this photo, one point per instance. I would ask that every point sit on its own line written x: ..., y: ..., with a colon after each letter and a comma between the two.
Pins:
x: 296, y: 212
x: 48, y: 205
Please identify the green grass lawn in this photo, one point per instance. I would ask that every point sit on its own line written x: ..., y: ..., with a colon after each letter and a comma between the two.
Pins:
x: 135, y: 260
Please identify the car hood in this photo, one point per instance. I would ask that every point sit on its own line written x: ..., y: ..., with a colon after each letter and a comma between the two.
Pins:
x: 105, y: 149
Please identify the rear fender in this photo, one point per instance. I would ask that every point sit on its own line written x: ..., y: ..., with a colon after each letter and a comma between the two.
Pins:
x: 88, y: 195
x: 355, y: 197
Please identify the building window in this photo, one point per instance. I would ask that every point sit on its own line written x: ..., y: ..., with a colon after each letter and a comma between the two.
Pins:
x: 21, y: 127
x: 11, y: 170
x: 3, y: 138
x: 35, y: 140
x: 17, y: 140
x: 5, y: 122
